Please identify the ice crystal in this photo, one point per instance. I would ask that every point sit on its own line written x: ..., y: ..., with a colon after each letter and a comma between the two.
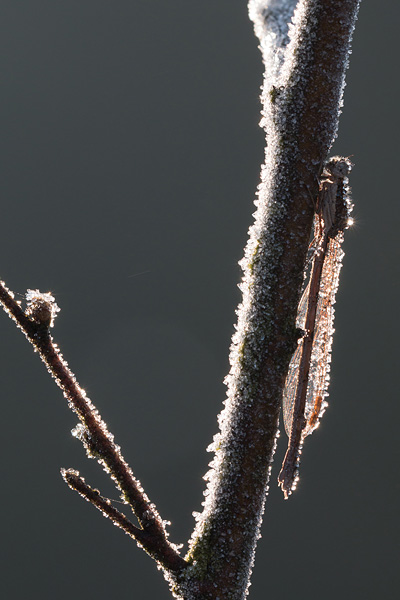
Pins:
x: 271, y: 20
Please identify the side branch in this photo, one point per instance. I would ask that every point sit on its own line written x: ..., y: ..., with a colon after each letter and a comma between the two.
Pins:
x: 99, y: 442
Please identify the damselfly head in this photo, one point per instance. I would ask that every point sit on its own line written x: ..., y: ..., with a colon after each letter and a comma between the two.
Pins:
x: 338, y: 166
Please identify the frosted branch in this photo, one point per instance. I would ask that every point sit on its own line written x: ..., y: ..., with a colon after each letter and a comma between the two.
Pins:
x: 302, y: 96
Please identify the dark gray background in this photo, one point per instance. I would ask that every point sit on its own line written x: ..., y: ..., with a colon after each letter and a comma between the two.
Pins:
x: 129, y: 143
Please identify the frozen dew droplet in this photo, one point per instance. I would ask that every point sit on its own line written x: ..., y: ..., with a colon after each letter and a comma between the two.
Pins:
x: 78, y: 431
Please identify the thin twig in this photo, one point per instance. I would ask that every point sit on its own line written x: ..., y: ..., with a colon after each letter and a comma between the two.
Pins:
x: 78, y: 484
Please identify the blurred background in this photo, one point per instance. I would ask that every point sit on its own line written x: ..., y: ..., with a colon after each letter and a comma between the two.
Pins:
x: 130, y: 155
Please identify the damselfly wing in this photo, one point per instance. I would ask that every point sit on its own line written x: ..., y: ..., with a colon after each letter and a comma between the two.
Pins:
x: 306, y: 385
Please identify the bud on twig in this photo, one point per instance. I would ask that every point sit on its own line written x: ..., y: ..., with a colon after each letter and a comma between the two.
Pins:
x: 41, y: 307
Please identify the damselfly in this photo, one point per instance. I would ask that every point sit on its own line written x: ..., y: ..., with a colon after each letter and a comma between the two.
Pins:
x: 306, y: 385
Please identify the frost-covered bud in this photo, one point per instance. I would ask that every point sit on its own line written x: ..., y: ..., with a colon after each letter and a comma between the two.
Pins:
x: 41, y: 308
